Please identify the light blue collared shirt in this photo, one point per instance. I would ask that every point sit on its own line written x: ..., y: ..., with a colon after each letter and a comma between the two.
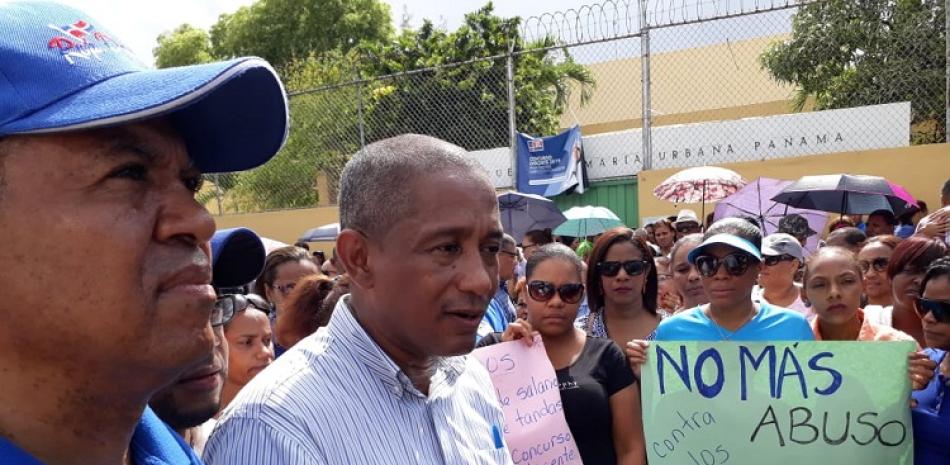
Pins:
x: 337, y: 398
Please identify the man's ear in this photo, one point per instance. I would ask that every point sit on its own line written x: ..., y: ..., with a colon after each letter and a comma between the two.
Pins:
x: 804, y: 297
x: 352, y: 248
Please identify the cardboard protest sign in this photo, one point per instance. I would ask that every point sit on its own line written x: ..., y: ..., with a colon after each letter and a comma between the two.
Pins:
x: 535, y: 429
x: 784, y: 403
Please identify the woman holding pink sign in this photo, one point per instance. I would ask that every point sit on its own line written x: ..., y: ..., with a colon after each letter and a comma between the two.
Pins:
x: 599, y: 394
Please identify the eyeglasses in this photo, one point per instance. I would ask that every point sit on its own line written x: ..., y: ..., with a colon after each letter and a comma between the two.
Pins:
x: 736, y: 264
x: 543, y: 291
x: 879, y: 264
x: 632, y: 267
x: 939, y: 308
x: 527, y: 246
x: 510, y: 254
x: 772, y: 260
x: 229, y: 305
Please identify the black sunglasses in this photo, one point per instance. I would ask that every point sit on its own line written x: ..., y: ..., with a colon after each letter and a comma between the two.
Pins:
x: 772, y: 260
x: 543, y: 291
x: 632, y: 267
x: 879, y: 264
x: 229, y: 305
x: 736, y: 264
x: 939, y: 308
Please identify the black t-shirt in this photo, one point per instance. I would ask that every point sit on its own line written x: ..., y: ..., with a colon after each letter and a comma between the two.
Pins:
x: 586, y: 386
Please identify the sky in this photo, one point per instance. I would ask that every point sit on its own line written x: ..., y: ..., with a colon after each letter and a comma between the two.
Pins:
x: 139, y: 22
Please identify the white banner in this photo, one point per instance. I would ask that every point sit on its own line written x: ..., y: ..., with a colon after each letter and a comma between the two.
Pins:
x: 618, y: 154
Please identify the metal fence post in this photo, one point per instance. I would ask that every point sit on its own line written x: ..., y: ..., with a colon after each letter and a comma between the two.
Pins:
x: 512, y: 123
x: 359, y: 108
x: 646, y: 132
x: 217, y: 193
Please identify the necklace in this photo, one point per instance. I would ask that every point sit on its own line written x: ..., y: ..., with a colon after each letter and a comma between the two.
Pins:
x: 726, y: 337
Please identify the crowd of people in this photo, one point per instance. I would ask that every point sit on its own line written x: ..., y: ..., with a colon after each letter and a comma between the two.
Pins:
x: 137, y: 334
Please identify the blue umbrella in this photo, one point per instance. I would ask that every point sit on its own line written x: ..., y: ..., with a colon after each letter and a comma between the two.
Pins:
x: 521, y: 213
x: 587, y: 221
x: 325, y: 233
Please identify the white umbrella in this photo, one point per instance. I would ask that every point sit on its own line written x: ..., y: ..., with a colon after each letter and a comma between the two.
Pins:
x: 325, y: 233
x: 587, y: 221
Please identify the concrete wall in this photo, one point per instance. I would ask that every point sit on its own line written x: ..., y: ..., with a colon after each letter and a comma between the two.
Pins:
x: 921, y: 169
x: 719, y: 82
x: 285, y: 225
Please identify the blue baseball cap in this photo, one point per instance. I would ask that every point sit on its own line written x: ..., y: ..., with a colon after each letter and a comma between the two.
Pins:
x: 60, y: 70
x: 726, y: 239
x: 237, y: 257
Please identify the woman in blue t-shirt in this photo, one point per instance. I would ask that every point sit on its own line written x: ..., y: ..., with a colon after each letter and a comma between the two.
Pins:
x: 932, y: 415
x: 599, y: 394
x: 728, y: 261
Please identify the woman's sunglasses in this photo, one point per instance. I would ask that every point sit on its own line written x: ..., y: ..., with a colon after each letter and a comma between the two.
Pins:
x: 736, y: 264
x: 632, y: 267
x: 229, y: 305
x: 543, y: 291
x: 939, y: 308
x: 879, y: 264
x: 772, y: 260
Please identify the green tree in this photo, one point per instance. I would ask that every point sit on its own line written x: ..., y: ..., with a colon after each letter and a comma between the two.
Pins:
x: 282, y: 30
x: 468, y: 104
x: 323, y: 134
x: 186, y: 45
x: 845, y: 53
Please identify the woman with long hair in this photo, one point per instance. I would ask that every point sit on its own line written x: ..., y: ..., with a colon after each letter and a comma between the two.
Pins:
x: 906, y: 270
x: 599, y: 394
x: 622, y: 288
x: 304, y: 311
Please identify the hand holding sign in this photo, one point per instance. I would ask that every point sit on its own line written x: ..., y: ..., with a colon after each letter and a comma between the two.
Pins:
x: 527, y: 388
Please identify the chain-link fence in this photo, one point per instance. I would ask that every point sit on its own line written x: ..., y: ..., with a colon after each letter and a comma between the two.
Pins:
x: 652, y: 83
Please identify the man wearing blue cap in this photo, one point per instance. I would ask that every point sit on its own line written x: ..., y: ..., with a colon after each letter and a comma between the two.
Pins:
x: 195, y: 397
x: 729, y: 261
x: 105, y: 264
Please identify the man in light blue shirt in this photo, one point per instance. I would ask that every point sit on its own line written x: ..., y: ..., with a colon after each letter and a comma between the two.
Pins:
x: 500, y: 309
x: 388, y: 380
x: 728, y: 260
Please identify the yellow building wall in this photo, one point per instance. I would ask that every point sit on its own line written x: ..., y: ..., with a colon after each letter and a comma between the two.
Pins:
x: 921, y: 169
x: 718, y: 82
x: 285, y: 225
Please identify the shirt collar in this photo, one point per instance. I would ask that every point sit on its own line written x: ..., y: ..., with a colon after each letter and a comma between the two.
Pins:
x: 866, y: 333
x: 344, y: 326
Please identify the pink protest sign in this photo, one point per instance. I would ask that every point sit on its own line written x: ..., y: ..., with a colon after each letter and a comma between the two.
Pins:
x: 535, y: 429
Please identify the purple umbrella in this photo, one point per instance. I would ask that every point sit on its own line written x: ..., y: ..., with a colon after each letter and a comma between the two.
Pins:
x: 755, y: 201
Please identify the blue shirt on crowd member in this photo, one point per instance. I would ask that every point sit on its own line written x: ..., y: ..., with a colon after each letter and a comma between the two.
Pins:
x: 500, y: 312
x: 771, y: 323
x: 932, y: 418
x: 153, y: 443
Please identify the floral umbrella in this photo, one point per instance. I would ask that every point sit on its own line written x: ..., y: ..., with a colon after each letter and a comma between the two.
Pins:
x: 699, y: 184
